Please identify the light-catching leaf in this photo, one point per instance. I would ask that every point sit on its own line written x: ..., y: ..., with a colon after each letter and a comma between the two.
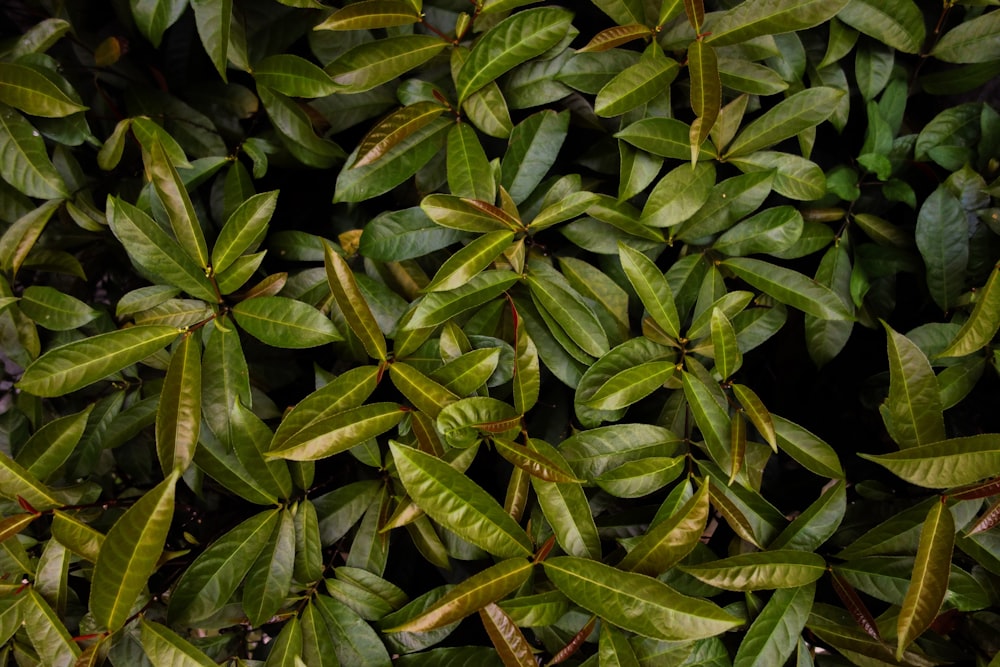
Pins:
x: 929, y: 582
x: 454, y: 501
x: 635, y: 602
x: 129, y: 554
x: 75, y: 365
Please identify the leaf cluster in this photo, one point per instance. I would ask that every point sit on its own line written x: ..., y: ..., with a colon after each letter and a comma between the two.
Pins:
x: 621, y: 332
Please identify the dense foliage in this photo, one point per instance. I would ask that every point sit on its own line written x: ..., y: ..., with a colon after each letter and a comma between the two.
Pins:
x: 496, y: 378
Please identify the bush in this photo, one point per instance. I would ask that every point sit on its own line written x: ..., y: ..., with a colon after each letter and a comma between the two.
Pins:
x: 512, y: 341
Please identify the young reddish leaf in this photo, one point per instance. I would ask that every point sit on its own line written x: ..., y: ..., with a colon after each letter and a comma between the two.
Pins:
x: 574, y: 644
x: 854, y: 604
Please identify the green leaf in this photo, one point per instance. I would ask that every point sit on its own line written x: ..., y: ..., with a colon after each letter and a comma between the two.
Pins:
x: 774, y: 634
x: 514, y: 40
x: 213, y: 19
x: 652, y: 288
x: 912, y: 412
x: 527, y: 377
x: 678, y: 195
x: 983, y: 322
x: 756, y: 18
x: 771, y: 231
x: 667, y: 543
x: 629, y: 386
x: 393, y: 129
x: 469, y: 372
x: 666, y: 137
x: 564, y: 505
x: 165, y: 647
x: 286, y: 650
x: 760, y: 570
x: 635, y: 602
x: 153, y: 18
x: 809, y: 451
x: 395, y: 166
x: 567, y: 308
x: 244, y: 230
x: 929, y: 582
x: 953, y: 462
x: 129, y: 555
x: 472, y: 594
x: 533, y: 148
x: 352, y: 303
x: 592, y: 452
x: 439, y: 307
x: 469, y: 172
x: 454, y: 501
x: 640, y: 478
x: 46, y: 631
x: 401, y: 235
x: 973, y: 41
x: 787, y: 118
x: 75, y: 365
x: 424, y: 393
x: 33, y: 91
x: 817, y: 523
x: 462, y: 422
x: 747, y: 77
x: 348, y: 390
x: 794, y: 177
x: 25, y: 163
x: 706, y: 93
x: 371, y: 14
x: 943, y: 240
x: 790, y: 287
x: 637, y: 84
x: 16, y: 482
x: 508, y: 639
x: 175, y: 199
x: 270, y: 575
x: 54, y: 310
x: 296, y: 132
x: 371, y: 64
x: 463, y: 265
x: 155, y: 252
x: 468, y: 215
x: 711, y: 418
x: 210, y: 581
x: 354, y: 641
x: 52, y: 444
x: 178, y: 415
x: 284, y: 322
x: 728, y: 202
x: 897, y: 23
x: 293, y: 76
x: 339, y: 432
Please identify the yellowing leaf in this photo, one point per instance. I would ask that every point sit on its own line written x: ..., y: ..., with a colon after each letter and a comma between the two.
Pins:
x: 929, y: 582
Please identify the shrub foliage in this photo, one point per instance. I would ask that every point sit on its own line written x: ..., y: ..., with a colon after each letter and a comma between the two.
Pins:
x: 631, y: 332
